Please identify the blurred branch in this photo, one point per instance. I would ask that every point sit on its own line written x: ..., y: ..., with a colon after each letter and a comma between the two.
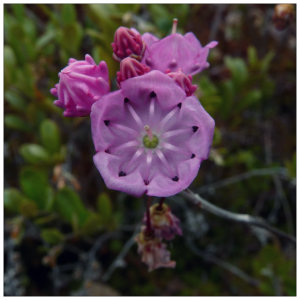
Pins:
x: 118, y: 261
x: 223, y: 264
x: 240, y: 218
x: 244, y: 176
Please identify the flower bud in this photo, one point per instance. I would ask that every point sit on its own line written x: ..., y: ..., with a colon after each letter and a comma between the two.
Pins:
x: 81, y: 83
x: 127, y: 42
x: 184, y: 81
x: 130, y: 67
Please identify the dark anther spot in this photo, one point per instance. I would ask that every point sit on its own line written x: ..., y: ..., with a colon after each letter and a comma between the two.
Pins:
x: 179, y: 105
x: 146, y: 182
x: 106, y: 151
x: 195, y: 128
x: 122, y: 174
x: 193, y: 155
x: 106, y: 122
x: 175, y: 178
x: 126, y: 100
x: 152, y: 94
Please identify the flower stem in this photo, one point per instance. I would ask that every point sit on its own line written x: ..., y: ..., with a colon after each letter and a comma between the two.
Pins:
x: 161, y: 202
x: 149, y: 228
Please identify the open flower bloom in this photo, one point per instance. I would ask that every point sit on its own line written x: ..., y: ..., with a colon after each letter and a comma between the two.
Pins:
x: 176, y: 52
x: 81, y: 83
x: 154, y: 253
x: 149, y: 137
x: 164, y: 223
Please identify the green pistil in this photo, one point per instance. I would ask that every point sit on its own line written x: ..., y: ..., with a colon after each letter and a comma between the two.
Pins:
x: 150, y: 143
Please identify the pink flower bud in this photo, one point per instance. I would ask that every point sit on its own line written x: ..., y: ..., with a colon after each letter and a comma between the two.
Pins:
x: 81, y: 83
x: 153, y: 251
x: 130, y: 67
x: 127, y: 42
x: 184, y: 81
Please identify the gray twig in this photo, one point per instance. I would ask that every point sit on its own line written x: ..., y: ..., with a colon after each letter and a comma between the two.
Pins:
x: 118, y: 261
x: 223, y: 264
x: 244, y: 176
x: 241, y: 218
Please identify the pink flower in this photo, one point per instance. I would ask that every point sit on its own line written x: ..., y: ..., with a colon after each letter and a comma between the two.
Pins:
x: 184, y: 81
x: 130, y: 67
x: 127, y: 42
x: 81, y: 83
x: 153, y: 251
x: 176, y: 52
x: 164, y: 223
x: 149, y: 137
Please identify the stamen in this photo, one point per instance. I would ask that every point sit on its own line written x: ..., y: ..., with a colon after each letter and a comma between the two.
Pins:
x: 174, y: 27
x: 149, y: 132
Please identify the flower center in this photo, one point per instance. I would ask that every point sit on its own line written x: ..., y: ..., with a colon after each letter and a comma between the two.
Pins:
x: 150, y: 140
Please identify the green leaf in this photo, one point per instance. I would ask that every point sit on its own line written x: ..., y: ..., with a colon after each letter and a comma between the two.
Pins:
x: 15, y: 100
x: 28, y: 208
x: 19, y: 11
x: 12, y: 200
x: 92, y: 224
x: 50, y: 136
x: 52, y: 236
x: 34, y: 184
x: 265, y: 63
x: 238, y: 70
x: 68, y: 14
x: 104, y: 207
x: 69, y: 205
x: 15, y: 122
x: 9, y: 65
x: 35, y: 154
x: 252, y: 56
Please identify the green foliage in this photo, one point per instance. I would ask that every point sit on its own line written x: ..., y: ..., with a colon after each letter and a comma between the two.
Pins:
x: 70, y: 207
x: 52, y: 236
x: 50, y: 136
x: 35, y: 186
x: 12, y: 200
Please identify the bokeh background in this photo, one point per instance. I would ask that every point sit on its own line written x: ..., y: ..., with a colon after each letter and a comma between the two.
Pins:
x: 66, y: 234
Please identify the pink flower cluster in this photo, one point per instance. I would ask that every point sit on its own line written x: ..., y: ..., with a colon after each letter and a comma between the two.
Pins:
x: 152, y: 133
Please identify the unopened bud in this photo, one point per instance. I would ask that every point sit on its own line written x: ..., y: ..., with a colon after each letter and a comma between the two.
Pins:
x: 184, y: 81
x: 127, y: 42
x: 129, y: 68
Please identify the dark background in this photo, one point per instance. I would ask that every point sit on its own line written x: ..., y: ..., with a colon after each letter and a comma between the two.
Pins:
x: 64, y: 229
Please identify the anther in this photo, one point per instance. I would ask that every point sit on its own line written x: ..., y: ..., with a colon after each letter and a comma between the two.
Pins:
x: 179, y: 105
x: 175, y: 178
x: 148, y: 131
x: 174, y: 27
x: 106, y: 151
x: 106, y: 122
x: 122, y: 174
x: 126, y: 100
x: 193, y: 155
x: 146, y: 182
x: 152, y: 94
x: 195, y: 128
